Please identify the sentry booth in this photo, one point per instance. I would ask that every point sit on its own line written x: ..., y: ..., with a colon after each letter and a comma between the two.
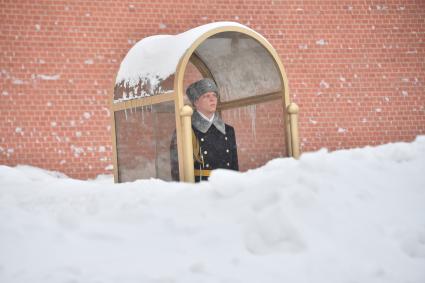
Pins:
x: 150, y: 105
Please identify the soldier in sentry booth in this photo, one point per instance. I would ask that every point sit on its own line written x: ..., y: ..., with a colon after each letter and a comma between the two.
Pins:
x: 214, y: 142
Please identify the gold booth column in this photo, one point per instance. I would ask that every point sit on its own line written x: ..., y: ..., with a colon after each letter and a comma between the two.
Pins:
x: 186, y: 114
x: 293, y: 110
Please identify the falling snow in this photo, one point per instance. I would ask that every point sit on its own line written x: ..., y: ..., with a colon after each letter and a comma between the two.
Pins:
x: 108, y: 112
x: 48, y: 77
x: 324, y: 84
x: 17, y: 82
x: 131, y: 41
x: 381, y: 7
x: 321, y: 42
x: 76, y: 150
x: 314, y: 122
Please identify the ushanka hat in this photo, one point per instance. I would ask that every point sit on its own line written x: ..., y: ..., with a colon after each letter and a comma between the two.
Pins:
x: 195, y: 90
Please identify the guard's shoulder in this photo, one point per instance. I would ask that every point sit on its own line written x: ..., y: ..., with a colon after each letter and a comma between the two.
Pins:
x: 229, y: 128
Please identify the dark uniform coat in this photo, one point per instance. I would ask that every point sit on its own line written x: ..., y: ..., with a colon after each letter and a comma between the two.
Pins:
x: 214, y: 147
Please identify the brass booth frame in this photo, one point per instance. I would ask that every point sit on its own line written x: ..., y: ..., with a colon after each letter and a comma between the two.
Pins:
x: 183, y: 112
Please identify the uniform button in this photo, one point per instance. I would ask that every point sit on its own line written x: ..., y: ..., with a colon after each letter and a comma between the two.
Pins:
x: 225, y: 138
x: 202, y: 139
x: 207, y: 165
x: 205, y: 152
x: 227, y: 150
x: 228, y: 164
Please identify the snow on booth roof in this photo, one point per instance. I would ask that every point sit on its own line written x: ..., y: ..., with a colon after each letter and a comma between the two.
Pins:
x: 154, y: 59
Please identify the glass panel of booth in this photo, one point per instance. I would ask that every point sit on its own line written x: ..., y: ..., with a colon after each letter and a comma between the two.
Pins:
x: 143, y: 136
x: 260, y: 134
x: 240, y: 65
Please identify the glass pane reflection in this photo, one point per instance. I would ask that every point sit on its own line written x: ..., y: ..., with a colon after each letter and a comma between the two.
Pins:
x: 143, y: 141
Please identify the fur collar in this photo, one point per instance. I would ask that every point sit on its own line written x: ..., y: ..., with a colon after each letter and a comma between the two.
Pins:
x: 203, y: 125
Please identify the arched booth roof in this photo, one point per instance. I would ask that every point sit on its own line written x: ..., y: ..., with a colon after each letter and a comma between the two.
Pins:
x: 239, y: 59
x: 244, y: 65
x: 155, y: 58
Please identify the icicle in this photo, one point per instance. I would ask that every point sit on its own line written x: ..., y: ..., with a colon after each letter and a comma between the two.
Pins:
x: 252, y: 113
x: 125, y: 112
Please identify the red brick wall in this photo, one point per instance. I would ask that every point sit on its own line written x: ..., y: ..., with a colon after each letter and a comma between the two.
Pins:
x: 356, y: 69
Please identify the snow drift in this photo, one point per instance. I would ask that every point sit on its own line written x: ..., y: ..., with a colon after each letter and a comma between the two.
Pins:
x: 347, y: 216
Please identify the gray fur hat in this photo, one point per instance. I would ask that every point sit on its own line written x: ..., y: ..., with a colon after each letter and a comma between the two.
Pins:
x: 195, y: 90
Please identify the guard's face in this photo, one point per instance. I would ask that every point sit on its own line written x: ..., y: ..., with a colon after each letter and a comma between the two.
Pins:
x: 207, y: 103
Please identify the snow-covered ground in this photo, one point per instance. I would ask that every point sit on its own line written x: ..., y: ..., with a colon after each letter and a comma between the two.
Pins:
x: 348, y: 216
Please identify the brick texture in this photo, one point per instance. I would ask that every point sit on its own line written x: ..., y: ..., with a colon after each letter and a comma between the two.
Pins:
x: 355, y: 68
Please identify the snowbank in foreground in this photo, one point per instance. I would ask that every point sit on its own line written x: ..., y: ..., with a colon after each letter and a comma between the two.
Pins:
x: 348, y: 216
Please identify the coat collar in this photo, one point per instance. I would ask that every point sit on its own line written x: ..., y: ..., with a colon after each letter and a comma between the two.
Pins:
x: 203, y: 125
